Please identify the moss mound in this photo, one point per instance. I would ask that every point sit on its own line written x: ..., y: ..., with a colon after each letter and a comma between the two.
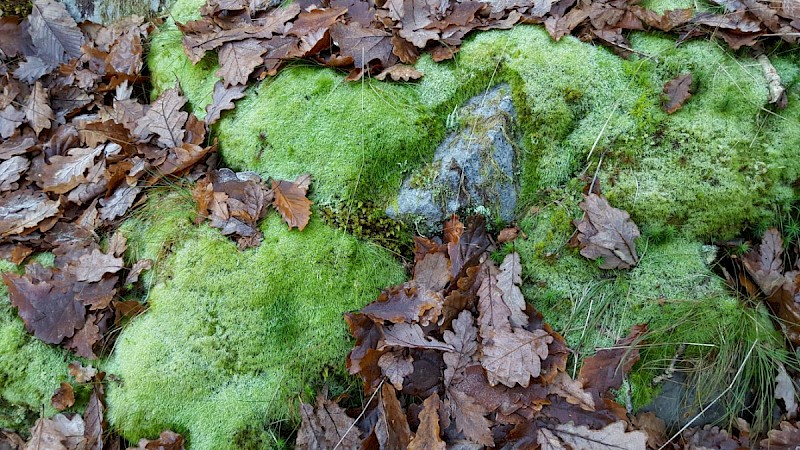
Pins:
x: 232, y: 338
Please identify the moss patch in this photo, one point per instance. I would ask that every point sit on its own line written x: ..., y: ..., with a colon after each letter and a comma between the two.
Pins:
x: 232, y: 338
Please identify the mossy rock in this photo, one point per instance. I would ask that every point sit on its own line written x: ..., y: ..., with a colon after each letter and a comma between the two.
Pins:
x: 232, y: 339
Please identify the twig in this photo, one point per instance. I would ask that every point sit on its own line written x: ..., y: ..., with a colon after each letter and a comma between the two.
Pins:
x: 721, y: 394
x: 360, y: 415
x: 777, y: 93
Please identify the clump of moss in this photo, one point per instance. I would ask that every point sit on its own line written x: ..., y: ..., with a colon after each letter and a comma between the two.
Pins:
x: 15, y: 8
x: 364, y: 220
x: 232, y: 338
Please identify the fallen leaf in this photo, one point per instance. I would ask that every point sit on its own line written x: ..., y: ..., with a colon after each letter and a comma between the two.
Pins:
x: 54, y: 32
x: 765, y: 262
x: 606, y: 369
x: 464, y: 339
x: 611, y: 437
x: 165, y: 119
x: 10, y: 172
x: 363, y: 45
x: 80, y: 373
x: 63, y: 397
x: 407, y: 302
x: 93, y: 266
x: 407, y: 335
x: 785, y: 391
x: 326, y: 426
x: 238, y: 59
x: 291, y: 202
x: 677, y: 92
x: 396, y: 367
x: 784, y: 438
x: 26, y: 209
x: 167, y: 440
x: 57, y: 433
x: 48, y: 308
x: 64, y: 173
x: 392, y: 428
x: 37, y: 109
x: 400, y: 72
x: 222, y: 100
x: 470, y: 417
x: 93, y: 416
x: 427, y: 437
x: 655, y: 428
x: 608, y: 233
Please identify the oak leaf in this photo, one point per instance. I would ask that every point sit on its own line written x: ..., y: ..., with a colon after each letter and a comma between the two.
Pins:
x: 80, y: 373
x: 222, y: 100
x: 427, y: 436
x: 93, y: 266
x: 392, y: 430
x: 408, y: 335
x: 470, y: 417
x: 784, y: 438
x: 608, y: 233
x: 57, y: 433
x: 93, y: 417
x: 167, y: 440
x: 611, y: 437
x: 677, y: 92
x: 63, y: 397
x: 765, y: 262
x: 362, y: 44
x: 326, y: 426
x: 464, y: 339
x: 22, y: 210
x: 605, y: 370
x: 396, y: 367
x: 238, y: 59
x: 407, y: 302
x: 291, y: 202
x: 400, y: 72
x: 37, y: 109
x: 10, y: 119
x: 165, y: 119
x: 64, y: 173
x: 47, y: 307
x: 10, y: 172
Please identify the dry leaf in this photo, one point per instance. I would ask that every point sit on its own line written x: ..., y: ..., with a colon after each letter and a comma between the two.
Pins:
x: 165, y: 119
x: 222, y: 100
x: 611, y: 437
x: 427, y: 437
x: 291, y: 202
x: 400, y: 72
x: 63, y: 397
x: 677, y: 92
x: 608, y: 233
x: 326, y: 426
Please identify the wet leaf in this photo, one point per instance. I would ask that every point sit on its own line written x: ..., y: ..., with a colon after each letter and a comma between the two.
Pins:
x: 606, y: 369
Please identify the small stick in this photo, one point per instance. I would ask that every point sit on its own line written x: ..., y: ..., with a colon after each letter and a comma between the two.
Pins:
x: 777, y: 93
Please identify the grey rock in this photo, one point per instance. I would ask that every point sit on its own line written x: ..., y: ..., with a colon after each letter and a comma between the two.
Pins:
x: 473, y: 169
x: 677, y: 404
x: 107, y: 11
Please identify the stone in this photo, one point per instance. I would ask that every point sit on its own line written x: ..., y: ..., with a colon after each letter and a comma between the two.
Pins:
x: 108, y: 11
x: 473, y: 169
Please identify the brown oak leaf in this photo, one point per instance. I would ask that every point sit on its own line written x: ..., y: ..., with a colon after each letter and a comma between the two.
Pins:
x: 54, y: 32
x: 47, y: 307
x: 428, y: 434
x: 608, y: 233
x: 10, y: 172
x: 37, y: 109
x: 400, y: 72
x: 396, y: 367
x: 64, y: 173
x: 222, y: 100
x: 784, y: 438
x: 611, y: 437
x: 765, y: 262
x: 63, y: 397
x: 410, y: 335
x: 93, y: 266
x: 326, y: 426
x: 392, y: 430
x: 677, y: 92
x: 606, y: 369
x: 165, y: 119
x: 363, y: 44
x: 238, y: 59
x: 291, y: 202
x: 167, y: 440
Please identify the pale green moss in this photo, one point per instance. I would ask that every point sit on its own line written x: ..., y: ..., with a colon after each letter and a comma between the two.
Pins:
x: 30, y: 370
x: 232, y: 338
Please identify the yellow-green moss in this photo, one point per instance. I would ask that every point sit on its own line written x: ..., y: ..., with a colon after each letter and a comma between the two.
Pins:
x: 232, y: 338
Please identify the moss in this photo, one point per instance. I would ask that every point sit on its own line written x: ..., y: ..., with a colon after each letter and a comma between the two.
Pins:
x: 15, y: 8
x: 30, y: 370
x: 232, y: 338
